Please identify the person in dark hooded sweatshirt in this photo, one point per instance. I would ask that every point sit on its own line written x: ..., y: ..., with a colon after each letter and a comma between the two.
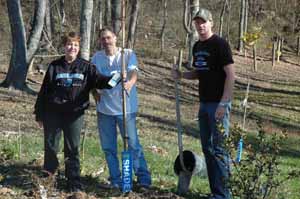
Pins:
x: 60, y: 106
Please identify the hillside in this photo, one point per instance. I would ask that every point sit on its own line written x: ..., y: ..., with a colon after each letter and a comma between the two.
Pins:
x: 273, y: 99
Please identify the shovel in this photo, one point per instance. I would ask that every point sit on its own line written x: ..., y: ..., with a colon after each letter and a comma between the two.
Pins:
x: 126, y: 154
x: 187, y: 163
x: 179, y: 166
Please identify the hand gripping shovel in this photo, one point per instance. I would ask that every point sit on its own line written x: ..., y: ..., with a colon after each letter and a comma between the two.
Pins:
x: 126, y: 154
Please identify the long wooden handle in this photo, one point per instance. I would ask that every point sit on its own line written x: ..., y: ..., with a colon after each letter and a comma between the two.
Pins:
x: 178, y: 118
x: 123, y: 71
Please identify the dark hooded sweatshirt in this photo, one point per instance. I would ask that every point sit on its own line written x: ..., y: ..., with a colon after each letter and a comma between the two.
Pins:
x: 66, y: 87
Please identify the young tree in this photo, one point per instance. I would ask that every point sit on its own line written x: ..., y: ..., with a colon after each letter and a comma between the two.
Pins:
x: 242, y: 24
x: 162, y: 35
x: 22, y: 50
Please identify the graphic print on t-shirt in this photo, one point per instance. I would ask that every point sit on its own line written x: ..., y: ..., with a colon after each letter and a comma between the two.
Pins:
x: 201, y: 58
x: 68, y: 80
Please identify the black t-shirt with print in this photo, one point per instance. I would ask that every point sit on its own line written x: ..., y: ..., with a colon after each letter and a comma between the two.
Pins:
x: 210, y: 57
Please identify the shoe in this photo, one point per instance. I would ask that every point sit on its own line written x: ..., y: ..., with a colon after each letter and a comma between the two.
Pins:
x: 74, y: 187
x: 46, y: 174
x: 143, y: 187
x: 109, y: 186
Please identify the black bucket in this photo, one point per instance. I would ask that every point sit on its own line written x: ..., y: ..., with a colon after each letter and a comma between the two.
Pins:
x: 192, y: 162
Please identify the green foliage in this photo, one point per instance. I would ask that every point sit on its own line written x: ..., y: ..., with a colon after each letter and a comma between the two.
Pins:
x: 258, y: 175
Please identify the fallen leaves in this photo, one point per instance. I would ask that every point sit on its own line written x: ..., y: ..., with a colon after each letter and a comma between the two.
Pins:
x: 158, y: 150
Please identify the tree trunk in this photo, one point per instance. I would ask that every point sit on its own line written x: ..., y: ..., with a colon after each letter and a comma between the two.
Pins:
x: 298, y: 45
x: 22, y: 55
x: 228, y: 22
x: 97, y: 23
x: 241, y: 27
x: 35, y: 34
x: 85, y: 28
x: 254, y: 58
x: 135, y: 5
x: 222, y: 18
x: 52, y: 19
x: 62, y: 11
x: 246, y: 11
x: 116, y: 16
x: 100, y: 15
x: 273, y: 54
x: 191, y: 7
x: 162, y: 35
x: 107, y: 12
x: 278, y: 52
x: 48, y: 21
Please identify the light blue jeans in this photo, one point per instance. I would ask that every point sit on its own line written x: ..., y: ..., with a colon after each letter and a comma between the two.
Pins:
x: 107, y: 126
x: 217, y: 158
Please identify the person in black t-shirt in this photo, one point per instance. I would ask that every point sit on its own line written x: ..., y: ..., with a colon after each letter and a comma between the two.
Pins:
x: 213, y: 67
x: 60, y: 106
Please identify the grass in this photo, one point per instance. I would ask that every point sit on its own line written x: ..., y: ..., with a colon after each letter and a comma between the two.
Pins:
x: 160, y: 154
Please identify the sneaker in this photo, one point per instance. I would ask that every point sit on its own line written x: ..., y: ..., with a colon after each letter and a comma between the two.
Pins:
x: 109, y: 186
x: 74, y: 187
x: 143, y: 187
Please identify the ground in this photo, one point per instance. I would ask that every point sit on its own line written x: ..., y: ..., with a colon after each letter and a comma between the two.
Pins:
x: 273, y: 98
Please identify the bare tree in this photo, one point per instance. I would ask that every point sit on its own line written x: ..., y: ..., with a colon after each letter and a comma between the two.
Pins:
x: 107, y: 12
x: 116, y: 15
x: 85, y: 28
x: 242, y: 24
x: 162, y: 35
x: 97, y: 23
x: 47, y: 30
x: 228, y: 21
x: 135, y: 4
x: 100, y: 15
x: 191, y: 7
x: 48, y: 18
x: 225, y: 5
x: 62, y: 11
x: 22, y: 51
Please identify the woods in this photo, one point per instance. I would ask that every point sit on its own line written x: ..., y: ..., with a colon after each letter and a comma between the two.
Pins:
x: 52, y: 17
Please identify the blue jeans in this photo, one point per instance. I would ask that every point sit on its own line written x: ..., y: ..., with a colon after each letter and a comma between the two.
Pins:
x: 217, y: 158
x: 107, y: 125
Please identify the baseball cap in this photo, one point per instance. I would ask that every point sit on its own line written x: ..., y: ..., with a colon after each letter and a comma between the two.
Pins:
x: 203, y: 14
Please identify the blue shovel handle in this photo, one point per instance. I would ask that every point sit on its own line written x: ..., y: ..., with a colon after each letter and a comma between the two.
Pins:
x: 126, y: 171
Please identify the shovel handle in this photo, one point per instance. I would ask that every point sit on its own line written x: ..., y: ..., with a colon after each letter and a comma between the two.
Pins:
x: 178, y: 119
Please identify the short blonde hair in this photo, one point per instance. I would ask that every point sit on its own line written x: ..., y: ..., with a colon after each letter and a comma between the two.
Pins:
x: 71, y: 36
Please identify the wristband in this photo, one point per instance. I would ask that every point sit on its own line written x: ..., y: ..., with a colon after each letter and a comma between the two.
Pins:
x: 224, y: 104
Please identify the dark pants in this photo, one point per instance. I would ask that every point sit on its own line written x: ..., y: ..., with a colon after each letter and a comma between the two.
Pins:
x: 71, y: 125
x: 216, y: 156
